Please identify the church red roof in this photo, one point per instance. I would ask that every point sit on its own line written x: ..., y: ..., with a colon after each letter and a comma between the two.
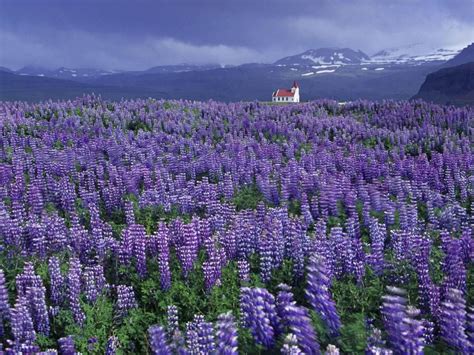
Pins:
x: 283, y: 93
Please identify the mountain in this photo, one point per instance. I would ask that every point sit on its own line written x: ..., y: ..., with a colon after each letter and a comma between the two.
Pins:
x: 414, y: 54
x: 178, y: 68
x: 338, y: 73
x: 453, y: 85
x: 325, y: 56
x: 465, y: 56
x: 76, y: 74
x: 35, y: 88
x: 5, y: 69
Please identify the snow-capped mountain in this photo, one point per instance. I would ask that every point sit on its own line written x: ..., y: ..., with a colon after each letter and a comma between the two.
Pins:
x: 179, y: 68
x: 413, y: 55
x: 325, y: 56
x: 64, y: 73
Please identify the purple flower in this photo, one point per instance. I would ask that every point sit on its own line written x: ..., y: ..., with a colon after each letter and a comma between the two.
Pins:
x: 36, y: 297
x: 243, y: 267
x: 405, y: 332
x: 453, y: 320
x: 66, y: 346
x: 56, y: 280
x: 4, y: 305
x: 21, y: 324
x: 290, y: 346
x: 297, y: 321
x: 226, y: 335
x: 157, y: 340
x: 74, y: 290
x: 318, y: 294
x: 162, y: 244
x: 125, y: 300
x: 112, y: 345
x: 258, y: 313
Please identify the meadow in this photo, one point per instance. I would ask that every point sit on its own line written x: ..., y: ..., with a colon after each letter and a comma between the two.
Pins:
x: 180, y: 227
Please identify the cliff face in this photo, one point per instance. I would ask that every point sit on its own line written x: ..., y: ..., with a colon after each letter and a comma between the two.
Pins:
x: 454, y: 85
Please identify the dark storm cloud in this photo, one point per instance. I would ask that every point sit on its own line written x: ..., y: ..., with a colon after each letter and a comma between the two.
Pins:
x: 137, y: 34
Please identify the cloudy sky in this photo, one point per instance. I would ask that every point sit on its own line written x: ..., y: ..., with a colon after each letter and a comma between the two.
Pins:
x: 137, y: 34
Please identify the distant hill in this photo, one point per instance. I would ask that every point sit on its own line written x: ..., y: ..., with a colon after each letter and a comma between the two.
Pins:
x: 414, y: 54
x: 454, y: 85
x: 338, y: 73
x: 325, y: 56
x: 465, y: 56
x: 33, y: 88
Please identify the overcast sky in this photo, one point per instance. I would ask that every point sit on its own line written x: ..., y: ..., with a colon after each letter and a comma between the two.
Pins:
x: 137, y: 34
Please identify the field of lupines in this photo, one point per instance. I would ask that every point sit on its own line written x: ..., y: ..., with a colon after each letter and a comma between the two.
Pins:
x: 181, y: 227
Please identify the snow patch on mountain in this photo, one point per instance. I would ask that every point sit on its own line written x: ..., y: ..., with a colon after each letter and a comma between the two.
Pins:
x: 326, y: 71
x: 325, y: 56
x: 413, y: 54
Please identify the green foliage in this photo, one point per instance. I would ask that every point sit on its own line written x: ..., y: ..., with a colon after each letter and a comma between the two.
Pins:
x: 353, y: 338
x: 98, y: 324
x: 247, y: 197
x: 365, y: 298
x: 138, y: 125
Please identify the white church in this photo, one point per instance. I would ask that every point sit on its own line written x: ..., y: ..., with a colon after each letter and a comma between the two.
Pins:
x: 287, y: 95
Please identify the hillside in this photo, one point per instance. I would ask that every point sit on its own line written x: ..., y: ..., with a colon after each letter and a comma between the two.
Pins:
x: 454, y: 85
x: 33, y: 88
x: 337, y: 73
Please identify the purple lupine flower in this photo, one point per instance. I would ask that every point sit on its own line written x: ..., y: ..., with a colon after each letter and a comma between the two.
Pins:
x: 4, y: 305
x: 27, y: 279
x: 21, y: 324
x: 375, y: 343
x: 90, y: 289
x: 157, y: 340
x: 318, y: 294
x: 470, y: 329
x: 226, y: 335
x: 125, y: 300
x: 172, y: 319
x: 259, y: 315
x: 126, y: 245
x: 66, y: 346
x: 205, y: 337
x: 212, y: 268
x: 297, y: 253
x: 188, y: 251
x: 296, y: 319
x: 129, y: 213
x: 266, y: 255
x: 453, y: 320
x: 405, y: 332
x: 192, y: 344
x: 139, y: 250
x: 92, y: 344
x: 290, y: 346
x: 243, y: 268
x: 377, y: 237
x: 162, y: 242
x: 74, y: 290
x: 229, y: 242
x: 56, y: 280
x: 453, y: 267
x: 36, y: 298
x: 112, y: 345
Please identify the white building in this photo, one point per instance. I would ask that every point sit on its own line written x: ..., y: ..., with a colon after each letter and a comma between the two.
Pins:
x: 285, y: 95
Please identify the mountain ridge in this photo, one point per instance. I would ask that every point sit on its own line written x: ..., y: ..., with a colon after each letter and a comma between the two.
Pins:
x: 452, y: 85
